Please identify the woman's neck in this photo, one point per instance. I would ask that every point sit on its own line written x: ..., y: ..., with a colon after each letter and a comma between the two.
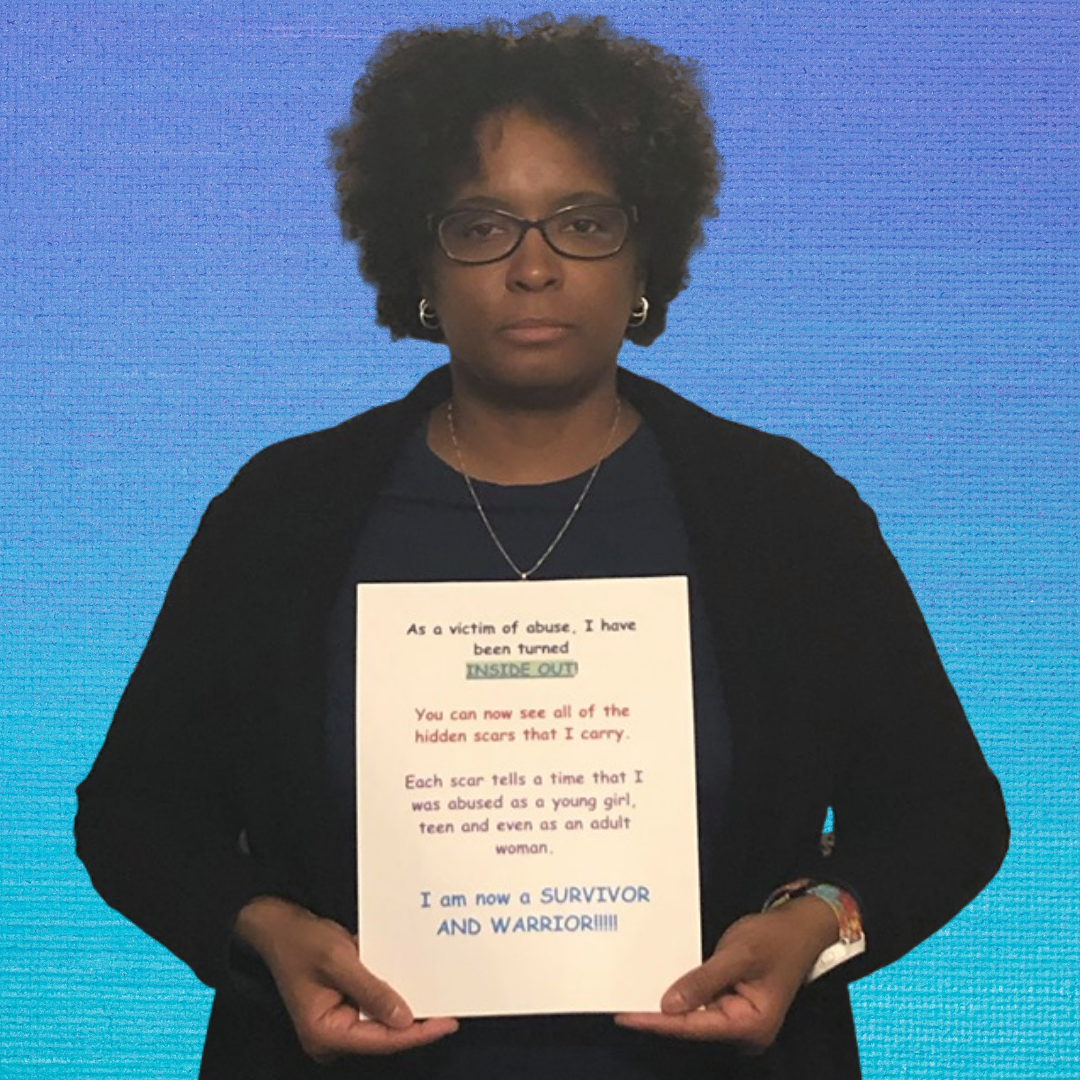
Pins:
x: 528, y: 445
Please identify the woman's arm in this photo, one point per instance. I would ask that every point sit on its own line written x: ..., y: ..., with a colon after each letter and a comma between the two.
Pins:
x: 919, y: 821
x: 159, y: 823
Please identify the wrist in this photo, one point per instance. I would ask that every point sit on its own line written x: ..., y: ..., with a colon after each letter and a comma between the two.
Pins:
x: 846, y: 939
x: 816, y: 921
x: 261, y: 922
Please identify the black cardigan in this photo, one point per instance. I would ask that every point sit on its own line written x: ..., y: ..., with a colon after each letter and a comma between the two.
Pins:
x: 209, y: 789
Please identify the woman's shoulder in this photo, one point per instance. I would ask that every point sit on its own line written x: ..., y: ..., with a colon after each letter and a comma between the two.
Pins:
x: 353, y: 455
x: 736, y: 462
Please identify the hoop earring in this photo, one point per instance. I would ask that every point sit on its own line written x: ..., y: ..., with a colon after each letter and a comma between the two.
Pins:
x: 426, y: 313
x: 638, y: 314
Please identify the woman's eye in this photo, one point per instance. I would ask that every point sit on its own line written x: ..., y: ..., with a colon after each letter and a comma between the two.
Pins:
x: 480, y: 228
x: 584, y: 224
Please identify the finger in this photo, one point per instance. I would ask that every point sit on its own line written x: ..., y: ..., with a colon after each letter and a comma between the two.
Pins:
x: 376, y: 999
x: 730, y: 1019
x: 749, y: 1020
x: 704, y: 984
x: 371, y: 1037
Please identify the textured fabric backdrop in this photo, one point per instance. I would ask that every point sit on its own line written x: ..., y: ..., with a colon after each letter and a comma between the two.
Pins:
x: 893, y: 281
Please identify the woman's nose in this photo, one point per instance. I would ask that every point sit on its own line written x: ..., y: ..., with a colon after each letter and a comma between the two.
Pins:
x: 535, y: 264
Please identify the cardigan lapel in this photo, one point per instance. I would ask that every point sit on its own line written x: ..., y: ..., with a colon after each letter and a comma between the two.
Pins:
x: 708, y: 489
x: 355, y: 471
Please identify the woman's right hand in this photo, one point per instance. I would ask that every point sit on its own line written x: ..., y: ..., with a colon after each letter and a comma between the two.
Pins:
x: 337, y: 1006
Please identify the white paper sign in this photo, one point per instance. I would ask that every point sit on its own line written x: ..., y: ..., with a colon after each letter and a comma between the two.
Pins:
x: 526, y: 807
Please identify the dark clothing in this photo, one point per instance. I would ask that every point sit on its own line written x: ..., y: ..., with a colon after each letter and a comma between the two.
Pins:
x: 211, y: 790
x: 424, y: 527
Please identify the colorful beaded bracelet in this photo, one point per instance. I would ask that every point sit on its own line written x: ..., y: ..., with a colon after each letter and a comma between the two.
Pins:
x: 843, y: 904
x: 849, y: 919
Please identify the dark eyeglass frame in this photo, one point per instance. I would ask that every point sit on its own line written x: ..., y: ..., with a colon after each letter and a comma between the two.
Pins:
x: 435, y: 224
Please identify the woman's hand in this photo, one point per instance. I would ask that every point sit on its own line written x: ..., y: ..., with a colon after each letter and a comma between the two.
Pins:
x: 742, y: 993
x: 325, y: 987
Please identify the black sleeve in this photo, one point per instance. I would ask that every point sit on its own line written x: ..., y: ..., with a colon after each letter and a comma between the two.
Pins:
x: 920, y: 825
x: 158, y: 825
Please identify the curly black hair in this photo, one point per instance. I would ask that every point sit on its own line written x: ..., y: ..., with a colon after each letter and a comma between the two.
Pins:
x: 412, y: 125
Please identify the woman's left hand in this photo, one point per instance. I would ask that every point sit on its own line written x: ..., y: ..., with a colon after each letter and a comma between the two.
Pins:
x: 742, y: 993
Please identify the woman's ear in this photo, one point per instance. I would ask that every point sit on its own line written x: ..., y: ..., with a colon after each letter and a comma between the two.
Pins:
x: 641, y: 289
x: 425, y: 281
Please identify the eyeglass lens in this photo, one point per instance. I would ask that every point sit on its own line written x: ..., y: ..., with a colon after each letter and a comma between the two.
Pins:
x: 579, y: 232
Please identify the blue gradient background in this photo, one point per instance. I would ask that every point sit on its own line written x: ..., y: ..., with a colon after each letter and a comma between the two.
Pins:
x: 893, y: 281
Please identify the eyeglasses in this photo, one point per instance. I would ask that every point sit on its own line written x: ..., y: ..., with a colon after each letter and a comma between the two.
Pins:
x: 477, y: 236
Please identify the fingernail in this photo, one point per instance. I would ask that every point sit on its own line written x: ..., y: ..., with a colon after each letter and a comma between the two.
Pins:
x: 674, y: 1001
x: 399, y: 1017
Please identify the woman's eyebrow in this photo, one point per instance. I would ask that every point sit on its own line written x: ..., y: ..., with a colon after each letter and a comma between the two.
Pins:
x: 573, y: 198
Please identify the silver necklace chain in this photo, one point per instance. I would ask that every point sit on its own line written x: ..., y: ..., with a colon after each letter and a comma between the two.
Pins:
x: 524, y: 575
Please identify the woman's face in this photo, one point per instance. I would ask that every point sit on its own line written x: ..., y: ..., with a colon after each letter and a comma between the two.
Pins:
x: 535, y: 328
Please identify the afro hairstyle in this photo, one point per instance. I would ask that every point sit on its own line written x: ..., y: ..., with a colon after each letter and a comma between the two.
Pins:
x: 412, y: 126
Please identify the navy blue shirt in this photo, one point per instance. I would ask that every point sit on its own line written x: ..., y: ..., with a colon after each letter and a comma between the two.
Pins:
x: 425, y: 527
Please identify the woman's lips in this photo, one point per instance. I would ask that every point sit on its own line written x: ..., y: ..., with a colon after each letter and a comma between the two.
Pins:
x: 534, y: 331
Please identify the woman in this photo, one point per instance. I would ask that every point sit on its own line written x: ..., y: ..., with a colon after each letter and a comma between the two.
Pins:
x: 531, y: 201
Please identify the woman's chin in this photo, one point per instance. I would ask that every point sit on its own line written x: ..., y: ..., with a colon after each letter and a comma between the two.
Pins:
x: 536, y: 387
